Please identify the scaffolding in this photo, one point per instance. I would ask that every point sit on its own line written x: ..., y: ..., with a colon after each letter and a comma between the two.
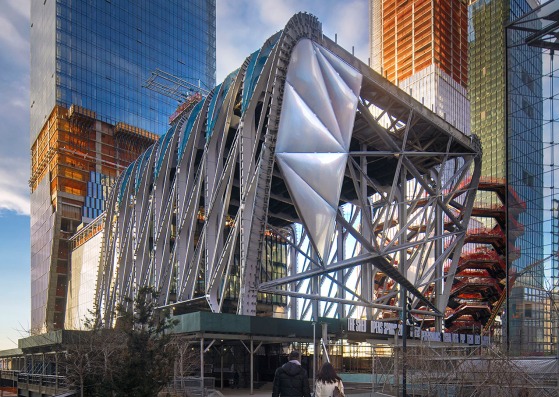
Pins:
x: 72, y: 148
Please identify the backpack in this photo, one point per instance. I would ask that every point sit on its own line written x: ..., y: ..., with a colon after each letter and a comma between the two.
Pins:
x: 337, y: 391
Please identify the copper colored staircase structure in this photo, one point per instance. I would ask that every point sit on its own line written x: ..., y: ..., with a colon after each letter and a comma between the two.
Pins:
x: 476, y: 296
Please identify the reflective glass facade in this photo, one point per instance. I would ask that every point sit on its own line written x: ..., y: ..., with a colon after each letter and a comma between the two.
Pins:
x: 529, y: 331
x: 91, y: 114
x: 487, y: 82
x: 525, y: 146
x: 555, y: 243
x: 507, y: 94
x: 532, y: 105
x: 99, y: 54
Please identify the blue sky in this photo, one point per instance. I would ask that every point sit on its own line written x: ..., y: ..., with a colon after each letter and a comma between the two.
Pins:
x: 242, y: 27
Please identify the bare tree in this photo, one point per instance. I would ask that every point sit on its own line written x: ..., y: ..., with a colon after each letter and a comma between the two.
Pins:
x: 91, y: 359
x: 134, y: 358
x: 435, y: 370
x: 186, y: 360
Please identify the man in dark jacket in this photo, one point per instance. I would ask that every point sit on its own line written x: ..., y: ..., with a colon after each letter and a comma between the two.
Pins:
x: 291, y: 380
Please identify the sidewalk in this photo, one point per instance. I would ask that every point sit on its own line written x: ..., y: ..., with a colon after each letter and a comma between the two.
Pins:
x: 264, y: 391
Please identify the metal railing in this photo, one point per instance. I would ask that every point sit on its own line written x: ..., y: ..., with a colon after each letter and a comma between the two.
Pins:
x: 193, y: 386
x: 42, y: 380
x: 9, y: 375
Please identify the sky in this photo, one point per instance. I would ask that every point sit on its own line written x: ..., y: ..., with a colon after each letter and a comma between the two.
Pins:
x: 242, y: 27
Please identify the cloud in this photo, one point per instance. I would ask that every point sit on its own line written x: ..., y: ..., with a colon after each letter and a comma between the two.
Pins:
x: 241, y: 30
x: 14, y: 30
x: 14, y: 151
x: 9, y: 33
x: 277, y: 13
x: 14, y: 192
x: 351, y: 23
x: 14, y: 112
x: 244, y: 25
x: 22, y: 7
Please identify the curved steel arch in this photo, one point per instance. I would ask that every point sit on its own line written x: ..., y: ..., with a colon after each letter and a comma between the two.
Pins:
x: 370, y: 191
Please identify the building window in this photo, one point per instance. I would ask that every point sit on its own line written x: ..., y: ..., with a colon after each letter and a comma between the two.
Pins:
x: 528, y: 109
x: 527, y: 80
x: 528, y: 178
x: 528, y: 310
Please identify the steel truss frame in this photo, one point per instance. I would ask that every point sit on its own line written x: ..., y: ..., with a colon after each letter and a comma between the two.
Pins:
x: 190, y: 216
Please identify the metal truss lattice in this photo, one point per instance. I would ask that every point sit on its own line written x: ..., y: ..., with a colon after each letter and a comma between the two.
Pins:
x: 242, y: 206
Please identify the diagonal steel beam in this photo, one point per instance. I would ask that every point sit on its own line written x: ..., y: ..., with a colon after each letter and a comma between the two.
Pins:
x: 341, y: 265
x: 381, y: 263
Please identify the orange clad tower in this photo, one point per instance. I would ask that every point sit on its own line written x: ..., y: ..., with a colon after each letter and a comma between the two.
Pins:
x: 422, y: 46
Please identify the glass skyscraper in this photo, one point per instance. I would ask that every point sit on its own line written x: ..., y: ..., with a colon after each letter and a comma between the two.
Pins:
x: 99, y: 54
x: 506, y: 96
x: 91, y: 114
x: 532, y: 98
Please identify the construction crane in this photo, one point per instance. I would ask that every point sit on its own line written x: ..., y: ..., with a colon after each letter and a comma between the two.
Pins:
x: 185, y: 93
x: 512, y: 280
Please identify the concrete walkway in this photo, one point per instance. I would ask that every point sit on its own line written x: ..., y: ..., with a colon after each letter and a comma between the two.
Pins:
x: 264, y: 391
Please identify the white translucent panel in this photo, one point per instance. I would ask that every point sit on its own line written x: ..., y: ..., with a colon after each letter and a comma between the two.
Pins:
x: 323, y: 172
x: 82, y: 282
x: 349, y: 74
x: 316, y: 123
x: 343, y: 99
x: 300, y: 130
x: 317, y: 215
x: 305, y: 76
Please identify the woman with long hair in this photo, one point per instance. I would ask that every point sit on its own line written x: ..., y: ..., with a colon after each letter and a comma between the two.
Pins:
x: 327, y: 380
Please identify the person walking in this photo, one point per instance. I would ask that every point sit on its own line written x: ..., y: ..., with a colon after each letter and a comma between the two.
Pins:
x: 327, y: 380
x: 291, y: 379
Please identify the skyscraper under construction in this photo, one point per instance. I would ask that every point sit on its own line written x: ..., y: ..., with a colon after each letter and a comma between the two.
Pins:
x: 91, y: 116
x: 421, y: 46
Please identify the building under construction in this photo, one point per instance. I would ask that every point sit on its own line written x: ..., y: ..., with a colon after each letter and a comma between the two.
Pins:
x: 453, y: 53
x: 74, y: 162
x: 90, y: 113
